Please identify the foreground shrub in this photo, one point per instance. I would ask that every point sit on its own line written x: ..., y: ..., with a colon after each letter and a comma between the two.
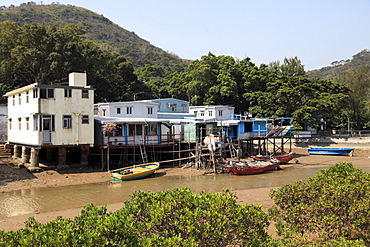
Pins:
x: 333, y: 204
x: 189, y: 219
x: 167, y: 218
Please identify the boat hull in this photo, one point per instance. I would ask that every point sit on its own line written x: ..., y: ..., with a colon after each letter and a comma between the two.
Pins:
x: 251, y: 167
x: 134, y: 172
x: 330, y: 151
x: 283, y: 158
x: 243, y: 170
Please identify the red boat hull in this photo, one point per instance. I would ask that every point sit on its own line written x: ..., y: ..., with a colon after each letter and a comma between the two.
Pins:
x: 251, y: 167
x: 244, y: 170
x: 283, y: 158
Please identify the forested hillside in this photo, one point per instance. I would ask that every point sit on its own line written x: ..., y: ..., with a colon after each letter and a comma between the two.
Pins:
x: 98, y: 28
x: 338, y: 68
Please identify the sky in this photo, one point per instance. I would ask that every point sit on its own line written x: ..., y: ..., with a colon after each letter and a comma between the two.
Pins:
x: 318, y: 32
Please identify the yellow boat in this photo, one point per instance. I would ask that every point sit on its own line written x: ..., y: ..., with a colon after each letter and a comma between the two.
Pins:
x: 134, y: 172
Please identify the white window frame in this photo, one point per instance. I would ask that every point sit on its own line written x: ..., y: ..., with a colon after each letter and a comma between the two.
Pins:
x: 85, y: 119
x: 150, y: 110
x: 67, y: 93
x: 85, y: 94
x: 27, y: 123
x: 129, y: 110
x: 67, y: 121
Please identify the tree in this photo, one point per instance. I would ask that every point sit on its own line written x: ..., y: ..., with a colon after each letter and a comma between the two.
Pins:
x: 214, y: 80
x: 300, y: 98
x: 357, y: 109
x: 292, y: 66
x: 332, y: 205
x: 47, y: 54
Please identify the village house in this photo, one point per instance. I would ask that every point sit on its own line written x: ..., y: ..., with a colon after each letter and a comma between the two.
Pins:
x: 137, y: 123
x: 52, y: 121
x: 142, y: 122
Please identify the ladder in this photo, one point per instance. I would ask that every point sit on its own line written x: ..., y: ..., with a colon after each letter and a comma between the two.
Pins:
x: 143, y: 153
x: 232, y: 149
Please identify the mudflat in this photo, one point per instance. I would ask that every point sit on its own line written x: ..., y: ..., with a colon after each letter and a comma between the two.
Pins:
x: 13, y: 178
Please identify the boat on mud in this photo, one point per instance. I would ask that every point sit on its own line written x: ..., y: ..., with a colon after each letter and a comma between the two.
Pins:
x: 134, y: 172
x: 331, y: 151
x: 250, y: 167
x: 283, y: 158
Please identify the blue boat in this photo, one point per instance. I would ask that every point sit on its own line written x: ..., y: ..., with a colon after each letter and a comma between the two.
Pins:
x: 331, y: 151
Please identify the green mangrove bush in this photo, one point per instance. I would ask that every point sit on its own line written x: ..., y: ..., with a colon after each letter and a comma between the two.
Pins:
x: 332, y: 205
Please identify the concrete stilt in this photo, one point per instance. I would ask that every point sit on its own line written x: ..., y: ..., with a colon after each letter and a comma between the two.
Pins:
x: 85, y: 154
x: 16, y: 151
x: 25, y: 155
x: 34, y: 160
x: 49, y: 154
x: 62, y: 158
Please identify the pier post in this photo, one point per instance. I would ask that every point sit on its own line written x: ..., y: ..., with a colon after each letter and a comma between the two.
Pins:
x: 34, y: 160
x: 62, y: 156
x: 16, y: 151
x: 49, y: 154
x: 85, y: 154
x: 25, y: 155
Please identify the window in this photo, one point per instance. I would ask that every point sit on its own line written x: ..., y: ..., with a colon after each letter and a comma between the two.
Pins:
x: 150, y: 110
x: 195, y: 113
x: 19, y: 123
x: 50, y: 93
x: 135, y: 129
x: 172, y: 106
x: 13, y: 100
x: 220, y: 113
x: 47, y: 123
x: 103, y: 111
x: 85, y: 94
x: 119, y: 130
x: 27, y: 96
x: 46, y: 93
x: 27, y: 123
x: 67, y: 121
x: 85, y: 119
x: 35, y: 122
x: 184, y: 107
x: 10, y: 123
x: 19, y: 99
x: 152, y: 129
x: 202, y: 113
x: 67, y: 93
x: 96, y: 110
x: 118, y: 110
x: 210, y: 113
x: 35, y: 93
x: 129, y: 110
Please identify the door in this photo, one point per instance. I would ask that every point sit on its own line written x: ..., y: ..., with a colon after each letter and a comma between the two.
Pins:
x: 136, y: 133
x: 47, y: 125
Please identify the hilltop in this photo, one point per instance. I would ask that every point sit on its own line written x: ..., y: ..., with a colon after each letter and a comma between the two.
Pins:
x: 341, y: 67
x: 98, y: 28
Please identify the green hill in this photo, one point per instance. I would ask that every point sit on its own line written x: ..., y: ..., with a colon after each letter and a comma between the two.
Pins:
x: 340, y: 67
x: 98, y: 28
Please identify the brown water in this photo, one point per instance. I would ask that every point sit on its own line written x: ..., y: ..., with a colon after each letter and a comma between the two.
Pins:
x: 53, y: 199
